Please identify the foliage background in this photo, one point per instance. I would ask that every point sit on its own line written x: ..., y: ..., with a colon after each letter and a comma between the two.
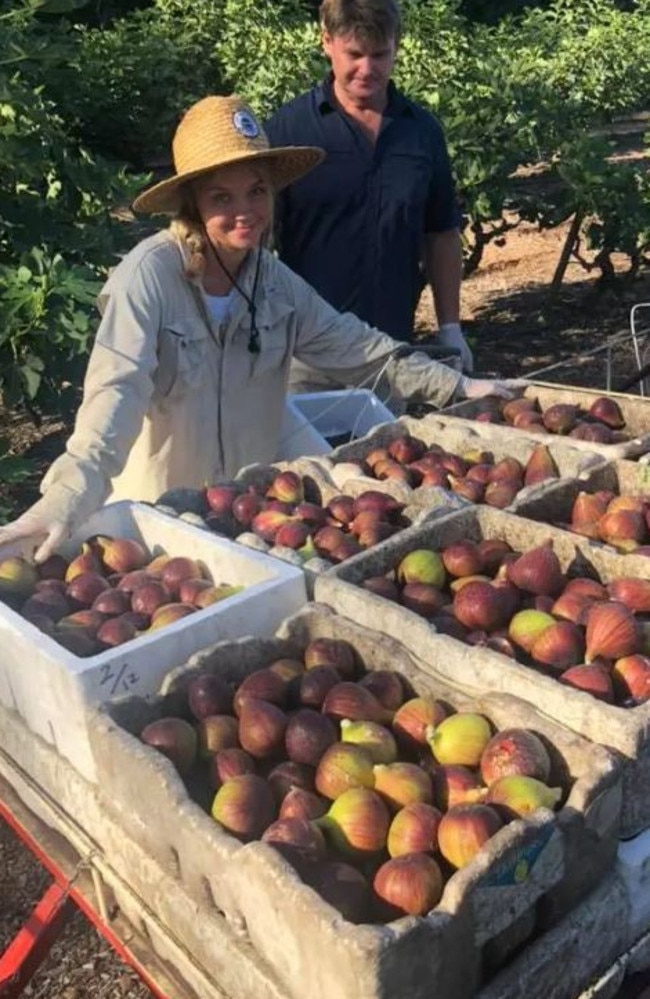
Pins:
x: 90, y: 93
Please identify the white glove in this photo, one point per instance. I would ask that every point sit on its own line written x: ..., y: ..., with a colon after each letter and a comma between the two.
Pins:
x: 36, y: 528
x: 451, y: 335
x: 476, y: 388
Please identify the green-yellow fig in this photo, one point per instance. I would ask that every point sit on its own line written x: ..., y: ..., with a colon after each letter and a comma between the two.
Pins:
x: 357, y: 823
x: 460, y: 739
x: 527, y: 626
x: 520, y: 796
x: 375, y: 739
x: 422, y: 566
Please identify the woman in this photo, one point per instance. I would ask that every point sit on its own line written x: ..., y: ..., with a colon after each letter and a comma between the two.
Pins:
x: 187, y: 378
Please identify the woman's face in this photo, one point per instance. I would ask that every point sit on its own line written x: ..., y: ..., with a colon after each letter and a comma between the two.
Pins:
x: 235, y: 204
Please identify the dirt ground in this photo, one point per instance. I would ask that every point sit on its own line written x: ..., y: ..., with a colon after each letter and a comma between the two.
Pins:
x: 517, y: 328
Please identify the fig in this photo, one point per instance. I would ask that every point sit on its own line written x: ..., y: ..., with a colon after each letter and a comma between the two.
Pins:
x: 287, y: 775
x: 356, y: 823
x: 586, y: 512
x: 459, y: 739
x: 53, y: 567
x: 386, y: 686
x: 479, y: 605
x: 189, y: 589
x: 288, y: 669
x: 624, y: 529
x: 515, y: 751
x: 406, y: 449
x: 343, y: 766
x: 217, y: 732
x: 571, y: 606
x: 298, y: 840
x: 46, y: 603
x: 537, y: 571
x: 293, y: 534
x: 209, y: 595
x: 401, y: 784
x: 262, y: 727
x: 422, y: 566
x: 123, y: 555
x: 286, y: 487
x: 85, y: 587
x: 422, y: 599
x: 377, y: 741
x: 341, y: 508
x: 560, y: 418
x: 220, y: 497
x: 343, y: 887
x: 148, y: 597
x: 527, y: 626
x: 168, y: 614
x: 263, y: 685
x: 518, y: 796
x: 464, y: 830
x: 462, y: 559
x: 382, y: 586
x: 515, y: 406
x: 334, y: 652
x: 607, y: 411
x: 634, y: 593
x: 131, y: 580
x: 492, y: 552
x: 309, y: 733
x: 595, y: 678
x: 414, y: 829
x: 116, y: 631
x: 455, y: 785
x: 302, y: 804
x: 631, y: 676
x: 228, y: 763
x: 311, y: 514
x: 611, y: 632
x: 209, y: 694
x: 501, y: 493
x: 315, y: 685
x: 177, y: 569
x: 410, y: 885
x: 560, y: 645
x: 583, y: 586
x: 540, y: 466
x: 410, y: 722
x: 86, y: 561
x: 112, y: 602
x: 351, y: 700
x: 174, y: 738
x: 244, y: 806
x: 18, y: 577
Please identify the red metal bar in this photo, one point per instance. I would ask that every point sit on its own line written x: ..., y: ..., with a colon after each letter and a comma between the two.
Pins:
x: 32, y: 943
x: 51, y: 927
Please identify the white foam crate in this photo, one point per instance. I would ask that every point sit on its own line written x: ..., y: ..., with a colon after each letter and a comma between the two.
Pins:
x: 339, y: 412
x: 49, y: 687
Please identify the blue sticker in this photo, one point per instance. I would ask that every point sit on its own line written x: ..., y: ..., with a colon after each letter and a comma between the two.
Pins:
x: 515, y: 872
x: 246, y: 124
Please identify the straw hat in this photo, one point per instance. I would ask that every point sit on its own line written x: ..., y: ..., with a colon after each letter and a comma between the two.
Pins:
x: 216, y: 132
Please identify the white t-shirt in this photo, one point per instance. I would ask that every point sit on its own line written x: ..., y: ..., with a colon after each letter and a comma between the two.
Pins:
x: 219, y: 305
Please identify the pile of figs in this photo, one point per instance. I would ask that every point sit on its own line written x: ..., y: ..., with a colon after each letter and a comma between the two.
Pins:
x: 601, y: 423
x: 281, y: 520
x: 375, y: 795
x: 111, y: 592
x: 475, y: 475
x: 622, y: 521
x: 587, y: 634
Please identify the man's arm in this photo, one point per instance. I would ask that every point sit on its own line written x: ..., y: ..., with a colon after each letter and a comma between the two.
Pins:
x: 443, y: 265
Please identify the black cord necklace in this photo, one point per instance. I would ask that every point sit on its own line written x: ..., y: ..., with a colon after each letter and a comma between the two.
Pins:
x: 254, y: 338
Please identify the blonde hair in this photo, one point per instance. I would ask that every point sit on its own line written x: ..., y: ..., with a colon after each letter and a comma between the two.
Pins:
x: 187, y: 227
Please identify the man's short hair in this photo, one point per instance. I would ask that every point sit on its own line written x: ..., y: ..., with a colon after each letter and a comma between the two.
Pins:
x: 373, y: 21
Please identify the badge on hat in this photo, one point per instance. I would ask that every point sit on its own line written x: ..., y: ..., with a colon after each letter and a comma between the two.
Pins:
x: 246, y: 124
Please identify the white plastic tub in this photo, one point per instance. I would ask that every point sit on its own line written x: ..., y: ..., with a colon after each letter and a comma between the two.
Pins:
x: 334, y: 415
x: 48, y: 686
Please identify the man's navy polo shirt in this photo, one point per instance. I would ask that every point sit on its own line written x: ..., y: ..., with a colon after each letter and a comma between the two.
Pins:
x: 354, y: 226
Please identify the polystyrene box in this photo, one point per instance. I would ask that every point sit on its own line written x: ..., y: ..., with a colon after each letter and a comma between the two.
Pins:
x: 48, y: 686
x: 342, y: 414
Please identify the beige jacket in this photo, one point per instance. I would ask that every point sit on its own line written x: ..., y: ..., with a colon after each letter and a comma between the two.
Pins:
x: 173, y: 399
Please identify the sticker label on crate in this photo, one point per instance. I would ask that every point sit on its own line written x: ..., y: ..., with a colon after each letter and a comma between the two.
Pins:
x: 515, y: 870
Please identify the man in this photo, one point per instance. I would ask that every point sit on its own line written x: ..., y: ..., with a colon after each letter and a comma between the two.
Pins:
x: 378, y: 218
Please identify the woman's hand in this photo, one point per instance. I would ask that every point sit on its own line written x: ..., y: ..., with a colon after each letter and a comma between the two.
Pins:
x: 476, y: 388
x: 35, y: 529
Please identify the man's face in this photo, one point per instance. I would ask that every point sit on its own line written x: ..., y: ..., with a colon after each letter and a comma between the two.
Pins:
x: 361, y: 69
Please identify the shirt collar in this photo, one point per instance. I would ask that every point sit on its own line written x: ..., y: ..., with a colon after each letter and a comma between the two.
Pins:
x: 397, y: 104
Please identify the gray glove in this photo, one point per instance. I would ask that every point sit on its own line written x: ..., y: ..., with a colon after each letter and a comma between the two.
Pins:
x: 476, y: 388
x: 451, y: 335
x: 36, y: 528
